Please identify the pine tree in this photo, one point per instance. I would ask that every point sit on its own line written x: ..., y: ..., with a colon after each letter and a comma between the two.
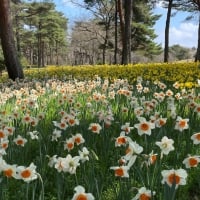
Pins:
x: 42, y: 32
x: 143, y: 33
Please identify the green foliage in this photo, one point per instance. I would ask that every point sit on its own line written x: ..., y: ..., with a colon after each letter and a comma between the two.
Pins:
x: 42, y: 30
x: 142, y: 29
x: 24, y: 62
x: 180, y: 53
x: 142, y: 33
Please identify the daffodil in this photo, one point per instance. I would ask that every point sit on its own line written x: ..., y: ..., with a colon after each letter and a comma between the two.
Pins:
x: 196, y: 138
x: 126, y: 128
x: 174, y: 177
x: 160, y: 122
x: 121, y: 171
x: 7, y: 169
x: 3, y: 133
x: 166, y: 145
x: 181, y: 124
x: 121, y: 140
x: 191, y: 161
x: 20, y: 141
x: 78, y: 139
x: 72, y: 163
x: 84, y: 154
x: 144, y: 194
x: 95, y: 127
x: 56, y: 134
x: 133, y: 149
x: 69, y: 144
x: 144, y: 127
x: 27, y: 174
x: 80, y: 194
x: 34, y: 135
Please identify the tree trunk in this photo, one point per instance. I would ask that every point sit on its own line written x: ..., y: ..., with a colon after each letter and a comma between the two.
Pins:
x: 197, y: 57
x: 39, y: 56
x: 7, y: 41
x: 166, y: 49
x: 56, y: 53
x: 126, y: 51
x: 17, y: 35
x: 121, y: 19
x: 116, y: 34
x: 105, y: 43
x: 50, y: 55
x: 42, y: 53
x: 17, y: 31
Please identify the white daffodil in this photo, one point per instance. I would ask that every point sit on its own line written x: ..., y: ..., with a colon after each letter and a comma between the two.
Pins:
x: 174, y: 177
x: 144, y: 127
x: 81, y: 194
x: 144, y: 193
x: 166, y: 145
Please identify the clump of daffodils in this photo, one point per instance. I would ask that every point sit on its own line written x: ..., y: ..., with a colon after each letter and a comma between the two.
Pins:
x: 69, y: 163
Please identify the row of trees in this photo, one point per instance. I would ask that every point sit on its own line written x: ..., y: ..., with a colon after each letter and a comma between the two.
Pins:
x: 40, y: 32
x: 34, y: 32
x: 119, y: 29
x: 138, y: 35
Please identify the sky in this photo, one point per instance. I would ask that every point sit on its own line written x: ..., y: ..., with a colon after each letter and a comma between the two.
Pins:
x: 181, y: 32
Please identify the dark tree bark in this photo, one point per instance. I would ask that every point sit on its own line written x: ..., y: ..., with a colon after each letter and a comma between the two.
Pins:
x: 17, y: 25
x: 105, y: 42
x: 39, y: 56
x: 126, y: 51
x: 17, y: 35
x: 197, y: 57
x: 121, y: 18
x: 116, y: 34
x: 166, y: 49
x: 7, y: 41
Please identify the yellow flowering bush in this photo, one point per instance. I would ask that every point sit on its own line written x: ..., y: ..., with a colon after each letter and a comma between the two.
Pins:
x: 187, y: 72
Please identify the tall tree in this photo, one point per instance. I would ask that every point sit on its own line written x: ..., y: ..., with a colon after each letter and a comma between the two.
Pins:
x: 116, y: 32
x: 7, y: 41
x: 197, y: 57
x: 167, y: 26
x: 104, y: 12
x: 43, y: 32
x: 193, y: 7
x: 196, y: 5
x: 143, y: 33
x: 121, y: 18
x: 16, y: 7
x: 141, y: 26
x: 126, y: 51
